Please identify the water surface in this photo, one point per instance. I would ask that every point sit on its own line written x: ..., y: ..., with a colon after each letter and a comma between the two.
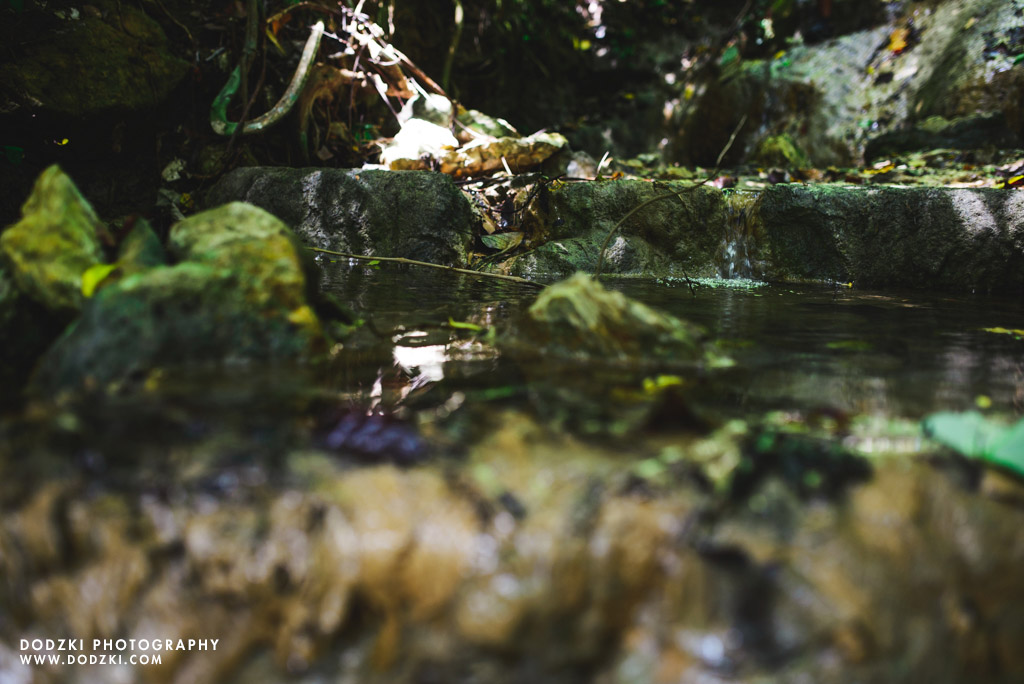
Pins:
x: 796, y: 347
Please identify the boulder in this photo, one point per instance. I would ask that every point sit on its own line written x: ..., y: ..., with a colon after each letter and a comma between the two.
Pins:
x: 938, y: 238
x: 680, y: 233
x: 108, y: 57
x: 413, y: 214
x: 832, y: 99
x: 42, y: 259
x: 237, y: 294
x: 54, y: 243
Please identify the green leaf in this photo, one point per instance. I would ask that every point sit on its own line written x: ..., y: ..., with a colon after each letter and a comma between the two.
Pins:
x: 93, y: 276
x: 731, y: 54
x: 850, y: 345
x: 969, y: 433
x: 649, y: 469
x: 1009, y: 450
x: 459, y: 325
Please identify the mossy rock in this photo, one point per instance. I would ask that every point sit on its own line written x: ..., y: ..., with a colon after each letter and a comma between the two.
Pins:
x: 780, y: 150
x: 952, y: 239
x: 418, y: 215
x: 117, y: 60
x: 238, y: 294
x: 681, y: 232
x: 579, y: 317
x: 180, y: 315
x: 54, y: 243
x: 262, y: 251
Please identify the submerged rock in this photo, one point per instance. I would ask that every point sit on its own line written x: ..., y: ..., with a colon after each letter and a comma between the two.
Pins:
x: 413, y: 214
x: 579, y: 317
x: 621, y: 349
x: 238, y: 293
x: 532, y: 561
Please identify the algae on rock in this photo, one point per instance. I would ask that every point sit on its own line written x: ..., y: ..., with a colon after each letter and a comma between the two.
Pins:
x: 238, y: 293
x: 418, y: 215
x: 54, y: 243
x: 569, y: 224
x: 936, y: 238
x: 42, y: 259
x: 579, y: 317
x: 120, y: 60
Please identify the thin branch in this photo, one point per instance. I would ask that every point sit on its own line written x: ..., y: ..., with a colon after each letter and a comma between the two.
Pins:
x: 413, y: 262
x: 218, y: 110
x: 725, y: 150
x: 446, y: 73
x: 615, y: 228
x: 714, y: 172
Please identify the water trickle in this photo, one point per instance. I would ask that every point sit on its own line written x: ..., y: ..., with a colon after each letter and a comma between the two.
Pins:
x: 737, y: 254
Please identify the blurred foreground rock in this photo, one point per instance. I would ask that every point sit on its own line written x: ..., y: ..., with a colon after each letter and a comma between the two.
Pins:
x: 42, y: 259
x: 238, y: 292
x: 534, y: 561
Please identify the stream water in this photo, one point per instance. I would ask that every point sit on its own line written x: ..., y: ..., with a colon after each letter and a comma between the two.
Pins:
x: 801, y: 347
x: 518, y: 552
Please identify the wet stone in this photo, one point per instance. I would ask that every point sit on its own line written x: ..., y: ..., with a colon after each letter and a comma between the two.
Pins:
x: 413, y: 214
x: 579, y: 317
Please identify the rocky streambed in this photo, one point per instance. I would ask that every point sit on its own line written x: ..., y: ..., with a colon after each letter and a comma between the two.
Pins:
x: 928, y: 238
x: 358, y: 471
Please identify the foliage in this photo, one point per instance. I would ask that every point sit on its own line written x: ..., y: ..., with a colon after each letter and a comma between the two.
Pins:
x: 93, y: 276
x: 974, y: 436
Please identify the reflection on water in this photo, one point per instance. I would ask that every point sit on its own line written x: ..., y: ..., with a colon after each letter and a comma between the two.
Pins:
x: 796, y: 347
x: 234, y: 498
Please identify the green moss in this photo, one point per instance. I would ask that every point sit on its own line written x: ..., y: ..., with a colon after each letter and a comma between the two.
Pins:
x: 53, y: 244
x: 97, y: 65
x: 780, y: 150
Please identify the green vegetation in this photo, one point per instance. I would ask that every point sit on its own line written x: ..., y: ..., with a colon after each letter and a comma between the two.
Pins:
x: 974, y: 436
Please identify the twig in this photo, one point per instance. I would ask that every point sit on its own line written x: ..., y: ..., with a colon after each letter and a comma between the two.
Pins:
x: 725, y: 150
x: 615, y: 228
x: 413, y: 262
x: 447, y: 71
x: 176, y: 22
x: 218, y: 110
x: 378, y: 33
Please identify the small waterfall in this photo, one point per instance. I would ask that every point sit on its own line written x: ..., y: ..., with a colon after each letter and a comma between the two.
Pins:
x: 738, y: 254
